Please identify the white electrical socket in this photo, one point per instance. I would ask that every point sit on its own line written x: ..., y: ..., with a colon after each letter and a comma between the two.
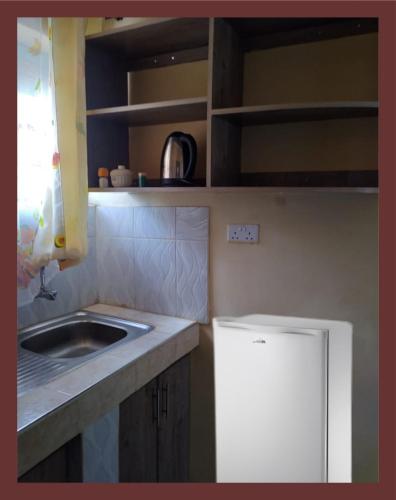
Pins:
x: 243, y: 233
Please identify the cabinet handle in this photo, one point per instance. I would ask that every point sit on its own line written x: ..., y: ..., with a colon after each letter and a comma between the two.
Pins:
x: 164, y: 398
x: 155, y: 404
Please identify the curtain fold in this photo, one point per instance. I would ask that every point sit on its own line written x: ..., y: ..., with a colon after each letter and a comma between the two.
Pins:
x: 69, y: 71
x: 52, y: 165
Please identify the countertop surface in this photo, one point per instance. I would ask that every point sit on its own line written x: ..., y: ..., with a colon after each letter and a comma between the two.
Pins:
x: 50, y: 415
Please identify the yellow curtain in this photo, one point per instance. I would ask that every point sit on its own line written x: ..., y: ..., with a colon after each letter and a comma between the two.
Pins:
x: 68, y: 54
x: 52, y: 157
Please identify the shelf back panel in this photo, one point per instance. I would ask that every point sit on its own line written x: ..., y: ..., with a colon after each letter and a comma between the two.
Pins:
x: 333, y: 70
x: 107, y: 146
x: 182, y: 81
x: 328, y: 145
x: 105, y: 79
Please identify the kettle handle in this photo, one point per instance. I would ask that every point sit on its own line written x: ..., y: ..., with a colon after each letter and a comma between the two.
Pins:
x: 192, y: 150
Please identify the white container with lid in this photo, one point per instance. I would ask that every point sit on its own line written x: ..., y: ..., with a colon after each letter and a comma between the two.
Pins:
x: 121, y: 176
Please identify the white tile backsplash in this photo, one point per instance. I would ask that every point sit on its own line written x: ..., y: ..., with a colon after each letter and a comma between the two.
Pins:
x: 115, y: 261
x: 154, y: 222
x: 91, y: 221
x: 192, y: 279
x: 150, y: 258
x: 168, y: 265
x: 155, y: 276
x: 100, y: 449
x: 114, y: 222
x: 87, y: 276
x: 192, y: 223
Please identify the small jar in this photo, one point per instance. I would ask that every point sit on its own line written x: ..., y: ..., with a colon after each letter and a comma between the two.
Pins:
x: 142, y: 179
x: 103, y: 175
x: 121, y: 177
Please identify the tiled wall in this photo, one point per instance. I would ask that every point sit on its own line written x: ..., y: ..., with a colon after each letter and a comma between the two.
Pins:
x: 149, y: 258
x: 154, y: 259
x: 100, y: 449
x: 76, y: 286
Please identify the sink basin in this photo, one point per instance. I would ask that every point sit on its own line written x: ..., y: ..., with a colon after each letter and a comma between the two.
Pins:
x: 53, y: 347
x: 75, y: 339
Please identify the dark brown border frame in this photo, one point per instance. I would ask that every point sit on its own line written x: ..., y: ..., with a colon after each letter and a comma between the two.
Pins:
x: 385, y: 10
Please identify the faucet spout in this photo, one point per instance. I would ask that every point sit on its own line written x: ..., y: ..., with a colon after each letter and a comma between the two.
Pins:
x: 45, y: 292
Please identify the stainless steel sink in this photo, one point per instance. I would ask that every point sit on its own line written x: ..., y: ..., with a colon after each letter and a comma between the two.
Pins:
x: 74, y: 339
x: 53, y: 347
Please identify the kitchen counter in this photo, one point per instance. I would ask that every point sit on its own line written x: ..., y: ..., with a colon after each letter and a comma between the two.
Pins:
x: 52, y: 414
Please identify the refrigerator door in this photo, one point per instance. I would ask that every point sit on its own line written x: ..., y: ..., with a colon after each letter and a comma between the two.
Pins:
x: 271, y: 403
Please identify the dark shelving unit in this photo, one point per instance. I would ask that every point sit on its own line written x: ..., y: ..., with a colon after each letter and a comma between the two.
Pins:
x: 224, y: 43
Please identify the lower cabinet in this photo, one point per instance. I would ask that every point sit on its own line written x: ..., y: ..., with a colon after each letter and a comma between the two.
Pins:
x: 154, y: 428
x: 153, y: 436
x: 62, y: 466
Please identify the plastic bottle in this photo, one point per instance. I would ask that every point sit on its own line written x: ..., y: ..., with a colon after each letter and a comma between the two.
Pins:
x: 103, y: 175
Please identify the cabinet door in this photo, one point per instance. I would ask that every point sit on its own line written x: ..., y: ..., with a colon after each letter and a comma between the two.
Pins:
x: 62, y: 466
x: 138, y: 435
x: 173, y: 424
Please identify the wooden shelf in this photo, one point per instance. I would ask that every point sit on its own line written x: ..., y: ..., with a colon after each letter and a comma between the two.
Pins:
x: 281, y: 113
x: 149, y: 189
x: 235, y: 189
x: 180, y: 110
x: 153, y: 37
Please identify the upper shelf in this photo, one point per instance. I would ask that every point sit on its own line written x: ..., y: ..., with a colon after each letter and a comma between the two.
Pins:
x: 179, y: 110
x: 234, y: 189
x: 281, y: 113
x: 266, y: 33
x: 154, y: 37
x: 161, y: 35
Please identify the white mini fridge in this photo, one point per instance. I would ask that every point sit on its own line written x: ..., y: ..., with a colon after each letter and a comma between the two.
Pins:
x: 282, y: 399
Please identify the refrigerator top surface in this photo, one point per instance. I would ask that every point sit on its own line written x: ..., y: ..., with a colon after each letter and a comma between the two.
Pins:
x: 267, y: 320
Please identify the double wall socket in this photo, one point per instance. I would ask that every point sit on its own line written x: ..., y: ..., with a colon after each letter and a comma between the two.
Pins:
x: 243, y: 233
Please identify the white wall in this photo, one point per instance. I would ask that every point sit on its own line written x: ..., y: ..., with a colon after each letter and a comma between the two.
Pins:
x: 317, y: 257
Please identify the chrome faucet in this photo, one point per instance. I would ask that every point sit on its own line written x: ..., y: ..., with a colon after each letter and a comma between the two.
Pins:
x: 45, y: 292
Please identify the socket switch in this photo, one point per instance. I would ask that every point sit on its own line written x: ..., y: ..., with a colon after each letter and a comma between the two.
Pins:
x: 243, y: 233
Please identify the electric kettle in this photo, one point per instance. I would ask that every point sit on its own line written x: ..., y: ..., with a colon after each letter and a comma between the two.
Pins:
x: 178, y: 159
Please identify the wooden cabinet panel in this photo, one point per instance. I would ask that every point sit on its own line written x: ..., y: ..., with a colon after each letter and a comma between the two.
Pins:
x: 62, y: 466
x: 173, y: 428
x: 138, y: 435
x: 154, y: 429
x: 227, y: 71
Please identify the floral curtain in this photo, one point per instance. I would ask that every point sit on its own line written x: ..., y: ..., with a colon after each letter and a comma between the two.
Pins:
x: 52, y: 171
